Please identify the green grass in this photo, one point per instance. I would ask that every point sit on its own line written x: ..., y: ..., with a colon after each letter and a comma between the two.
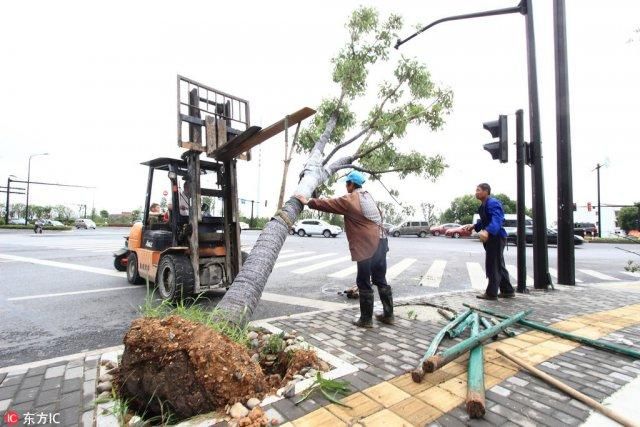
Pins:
x: 190, y: 310
x: 332, y: 390
x: 275, y: 344
x: 30, y: 227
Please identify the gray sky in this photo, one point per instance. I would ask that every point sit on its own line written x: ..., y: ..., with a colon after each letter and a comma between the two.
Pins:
x: 94, y: 85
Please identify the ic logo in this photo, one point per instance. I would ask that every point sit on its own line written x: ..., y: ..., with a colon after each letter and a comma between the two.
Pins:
x: 11, y: 418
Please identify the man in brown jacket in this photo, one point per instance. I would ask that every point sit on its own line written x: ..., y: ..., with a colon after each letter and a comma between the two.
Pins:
x: 367, y: 243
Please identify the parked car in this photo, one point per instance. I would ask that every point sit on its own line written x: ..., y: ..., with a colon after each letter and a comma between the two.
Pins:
x: 52, y: 223
x: 311, y: 227
x: 585, y: 229
x: 387, y: 227
x: 85, y: 223
x: 17, y: 221
x: 510, y: 223
x: 552, y: 237
x: 411, y: 228
x: 244, y: 226
x: 437, y: 230
x: 458, y: 232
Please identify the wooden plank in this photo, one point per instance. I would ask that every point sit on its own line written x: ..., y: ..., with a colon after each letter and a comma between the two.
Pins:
x: 237, y: 146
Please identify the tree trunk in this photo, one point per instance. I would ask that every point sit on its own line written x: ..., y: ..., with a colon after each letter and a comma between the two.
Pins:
x: 284, y: 181
x: 242, y: 298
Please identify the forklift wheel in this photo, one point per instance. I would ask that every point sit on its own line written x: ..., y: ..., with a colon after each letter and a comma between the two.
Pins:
x: 133, y: 276
x: 117, y: 263
x: 175, y: 279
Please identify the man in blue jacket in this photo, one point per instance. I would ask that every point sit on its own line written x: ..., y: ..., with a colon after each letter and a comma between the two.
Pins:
x: 494, y: 238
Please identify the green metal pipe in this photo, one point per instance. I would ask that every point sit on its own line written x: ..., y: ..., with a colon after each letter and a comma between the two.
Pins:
x: 487, y: 325
x: 475, y: 375
x: 458, y: 330
x: 602, y: 345
x: 437, y: 361
x: 418, y: 374
x: 508, y: 332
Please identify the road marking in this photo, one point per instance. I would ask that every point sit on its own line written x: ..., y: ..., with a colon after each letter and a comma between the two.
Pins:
x: 433, y: 276
x: 320, y: 265
x: 63, y: 294
x: 554, y: 273
x: 304, y: 302
x: 477, y: 276
x: 68, y: 266
x: 598, y: 275
x: 297, y: 254
x: 513, y: 271
x: 301, y: 260
x: 398, y: 268
x: 349, y: 271
x: 631, y: 273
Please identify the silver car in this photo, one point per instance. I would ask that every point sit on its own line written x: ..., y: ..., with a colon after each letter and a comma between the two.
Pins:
x: 411, y: 228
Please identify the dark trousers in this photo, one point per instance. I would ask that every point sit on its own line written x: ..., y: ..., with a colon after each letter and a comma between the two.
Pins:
x: 494, y: 265
x: 374, y: 269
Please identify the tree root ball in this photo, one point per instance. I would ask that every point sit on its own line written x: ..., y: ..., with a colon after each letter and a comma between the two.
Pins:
x: 185, y: 367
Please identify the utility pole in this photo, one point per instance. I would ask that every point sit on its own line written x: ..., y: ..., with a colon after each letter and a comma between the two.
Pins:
x: 597, y: 168
x: 520, y: 205
x: 566, y: 245
x: 26, y: 212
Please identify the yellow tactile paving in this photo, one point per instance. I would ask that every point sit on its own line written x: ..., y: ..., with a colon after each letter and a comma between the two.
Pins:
x: 416, y: 411
x: 386, y: 394
x: 361, y: 406
x: 401, y: 402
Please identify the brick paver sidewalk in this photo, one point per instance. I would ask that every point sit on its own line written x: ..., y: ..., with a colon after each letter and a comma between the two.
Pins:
x: 383, y: 392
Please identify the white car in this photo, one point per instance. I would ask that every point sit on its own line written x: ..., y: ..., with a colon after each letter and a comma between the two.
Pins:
x: 85, y: 223
x: 244, y: 226
x: 310, y: 227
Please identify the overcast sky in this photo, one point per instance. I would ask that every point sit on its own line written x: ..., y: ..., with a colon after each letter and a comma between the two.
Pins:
x: 93, y: 84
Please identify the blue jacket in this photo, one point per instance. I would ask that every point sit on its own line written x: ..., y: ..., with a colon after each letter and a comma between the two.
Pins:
x: 491, y: 218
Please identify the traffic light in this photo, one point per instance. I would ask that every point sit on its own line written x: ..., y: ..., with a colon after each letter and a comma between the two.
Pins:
x: 589, y: 206
x: 499, y: 149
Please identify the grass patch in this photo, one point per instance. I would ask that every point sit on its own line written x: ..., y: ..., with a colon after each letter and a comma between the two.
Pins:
x: 190, y: 310
x: 332, y: 390
x: 30, y: 227
x: 623, y: 240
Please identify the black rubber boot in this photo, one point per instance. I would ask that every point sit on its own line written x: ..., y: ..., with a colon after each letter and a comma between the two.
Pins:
x: 386, y: 297
x: 366, y: 310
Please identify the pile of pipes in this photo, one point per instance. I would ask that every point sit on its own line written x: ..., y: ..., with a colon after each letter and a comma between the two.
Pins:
x: 473, y: 317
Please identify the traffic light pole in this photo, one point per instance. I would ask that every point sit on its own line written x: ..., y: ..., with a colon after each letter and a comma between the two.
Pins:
x: 541, y: 277
x: 599, y: 211
x: 566, y: 245
x: 6, y: 215
x: 520, y: 205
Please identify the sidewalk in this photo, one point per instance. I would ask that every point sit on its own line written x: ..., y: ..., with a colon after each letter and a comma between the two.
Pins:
x: 384, y: 393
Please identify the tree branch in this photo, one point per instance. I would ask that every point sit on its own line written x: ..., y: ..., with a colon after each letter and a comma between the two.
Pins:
x: 370, y: 172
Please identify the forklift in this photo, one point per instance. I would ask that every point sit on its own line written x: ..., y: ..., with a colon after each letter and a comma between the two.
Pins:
x: 189, y: 251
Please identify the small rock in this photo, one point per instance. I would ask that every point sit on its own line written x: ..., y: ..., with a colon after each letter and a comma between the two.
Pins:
x: 268, y: 363
x: 106, y: 386
x: 112, y: 371
x: 289, y: 390
x: 252, y: 335
x: 291, y: 348
x: 324, y: 366
x: 255, y: 343
x: 290, y: 341
x: 304, y: 370
x: 300, y: 339
x: 135, y: 421
x: 280, y: 392
x: 311, y: 373
x: 271, y: 357
x: 238, y: 375
x: 288, y: 337
x: 105, y: 378
x: 171, y: 336
x: 298, y: 377
x: 255, y: 358
x: 238, y: 410
x: 104, y: 395
x: 253, y: 402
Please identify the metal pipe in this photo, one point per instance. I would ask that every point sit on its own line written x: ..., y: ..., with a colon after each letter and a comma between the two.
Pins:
x: 602, y: 345
x: 439, y: 360
x: 475, y: 375
x: 459, y: 329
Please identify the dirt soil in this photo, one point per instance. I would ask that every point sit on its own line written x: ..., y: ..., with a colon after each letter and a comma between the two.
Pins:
x: 187, y: 366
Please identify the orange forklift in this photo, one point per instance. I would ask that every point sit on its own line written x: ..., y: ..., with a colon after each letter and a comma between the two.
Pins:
x: 192, y: 251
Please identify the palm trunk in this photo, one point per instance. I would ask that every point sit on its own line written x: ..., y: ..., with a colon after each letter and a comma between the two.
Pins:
x: 284, y: 181
x: 242, y: 298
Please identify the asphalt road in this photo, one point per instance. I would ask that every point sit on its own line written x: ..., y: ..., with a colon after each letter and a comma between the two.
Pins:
x: 61, y: 294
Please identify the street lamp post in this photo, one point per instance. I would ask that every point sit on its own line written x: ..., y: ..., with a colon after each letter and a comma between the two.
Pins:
x: 597, y: 168
x: 26, y: 212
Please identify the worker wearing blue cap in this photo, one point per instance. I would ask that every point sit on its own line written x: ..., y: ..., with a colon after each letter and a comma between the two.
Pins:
x: 367, y: 244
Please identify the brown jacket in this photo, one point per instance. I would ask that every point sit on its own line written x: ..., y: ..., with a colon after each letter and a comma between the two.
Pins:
x: 362, y: 233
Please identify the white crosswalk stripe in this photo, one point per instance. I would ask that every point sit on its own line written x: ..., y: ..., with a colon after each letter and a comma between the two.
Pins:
x: 513, y: 272
x: 631, y: 273
x: 433, y: 276
x: 320, y: 265
x: 398, y: 268
x: 598, y: 275
x: 477, y: 276
x: 349, y: 271
x: 297, y: 254
x: 301, y: 260
x: 554, y: 273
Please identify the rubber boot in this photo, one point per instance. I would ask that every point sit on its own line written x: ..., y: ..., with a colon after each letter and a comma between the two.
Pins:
x: 366, y: 310
x: 386, y: 297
